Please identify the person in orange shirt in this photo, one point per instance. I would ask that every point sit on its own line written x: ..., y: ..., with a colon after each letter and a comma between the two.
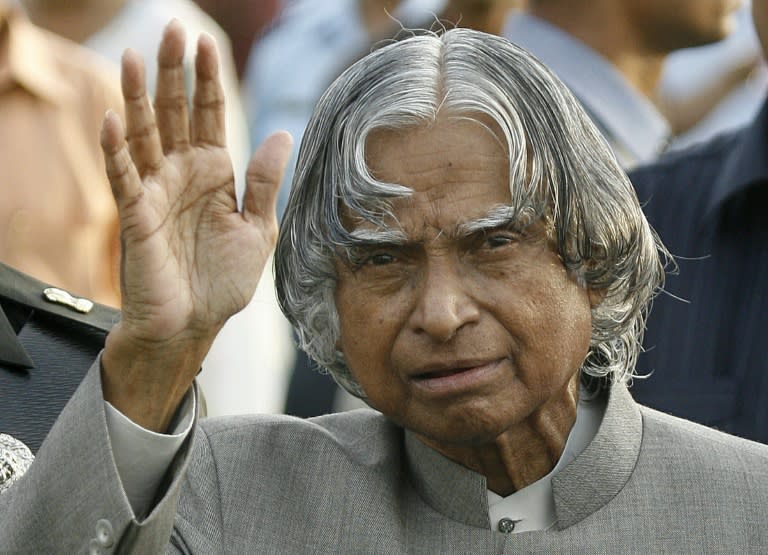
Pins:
x: 58, y: 221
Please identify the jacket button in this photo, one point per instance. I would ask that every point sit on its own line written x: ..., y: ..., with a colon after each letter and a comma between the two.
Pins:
x: 104, y: 533
x: 507, y: 525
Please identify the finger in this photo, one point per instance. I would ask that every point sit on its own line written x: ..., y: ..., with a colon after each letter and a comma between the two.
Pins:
x: 121, y: 171
x: 143, y: 139
x: 265, y: 172
x: 208, y: 102
x: 170, y: 94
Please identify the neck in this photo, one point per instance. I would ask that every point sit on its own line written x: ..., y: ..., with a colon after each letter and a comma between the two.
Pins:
x: 607, y: 30
x: 525, y: 452
x: 376, y: 16
x: 75, y: 20
x: 488, y: 17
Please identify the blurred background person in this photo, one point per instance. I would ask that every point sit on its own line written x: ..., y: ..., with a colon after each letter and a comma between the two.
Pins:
x: 244, y: 368
x: 311, y: 44
x: 110, y: 26
x: 58, y: 221
x: 611, y: 53
x: 714, y: 88
x: 704, y: 344
x: 244, y: 21
x: 488, y: 16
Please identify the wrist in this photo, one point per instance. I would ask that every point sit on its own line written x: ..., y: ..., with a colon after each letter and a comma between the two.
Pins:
x: 147, y: 380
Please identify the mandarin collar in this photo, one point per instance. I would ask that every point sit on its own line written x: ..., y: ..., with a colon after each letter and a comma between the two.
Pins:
x: 584, y: 486
x: 744, y: 166
x: 30, y: 63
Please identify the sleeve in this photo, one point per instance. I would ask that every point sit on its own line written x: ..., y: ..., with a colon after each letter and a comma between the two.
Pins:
x: 143, y: 456
x: 72, y: 500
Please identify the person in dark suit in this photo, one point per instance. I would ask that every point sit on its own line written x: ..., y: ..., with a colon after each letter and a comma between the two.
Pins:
x: 704, y: 341
x: 462, y: 251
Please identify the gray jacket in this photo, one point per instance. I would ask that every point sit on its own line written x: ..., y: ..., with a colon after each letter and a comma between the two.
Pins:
x: 356, y: 483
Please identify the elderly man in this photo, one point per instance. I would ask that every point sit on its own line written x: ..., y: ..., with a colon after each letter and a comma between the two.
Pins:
x: 462, y: 250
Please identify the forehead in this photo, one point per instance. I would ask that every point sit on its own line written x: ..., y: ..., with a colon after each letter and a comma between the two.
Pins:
x: 457, y: 169
x: 452, y: 146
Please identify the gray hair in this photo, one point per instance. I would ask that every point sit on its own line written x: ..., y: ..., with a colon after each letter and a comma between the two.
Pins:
x: 560, y: 169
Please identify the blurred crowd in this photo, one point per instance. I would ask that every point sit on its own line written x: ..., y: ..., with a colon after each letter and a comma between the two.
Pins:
x: 659, y: 78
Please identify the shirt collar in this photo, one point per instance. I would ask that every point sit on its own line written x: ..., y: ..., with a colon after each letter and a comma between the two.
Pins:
x: 745, y: 165
x: 631, y: 123
x: 29, y: 62
x: 581, y: 487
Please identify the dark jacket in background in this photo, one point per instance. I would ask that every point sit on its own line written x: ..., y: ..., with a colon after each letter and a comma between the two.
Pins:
x: 707, y: 335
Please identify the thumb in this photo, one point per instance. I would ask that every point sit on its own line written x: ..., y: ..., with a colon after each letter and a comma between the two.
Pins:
x: 265, y: 172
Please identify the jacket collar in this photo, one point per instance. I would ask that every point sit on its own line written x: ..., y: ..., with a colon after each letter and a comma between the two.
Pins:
x: 585, y: 485
x: 599, y: 473
x: 449, y: 488
x: 745, y: 165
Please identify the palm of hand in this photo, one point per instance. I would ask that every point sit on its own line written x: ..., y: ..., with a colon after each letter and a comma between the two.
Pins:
x: 190, y: 259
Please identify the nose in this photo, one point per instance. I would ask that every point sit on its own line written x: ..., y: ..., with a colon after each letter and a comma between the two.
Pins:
x: 444, y: 303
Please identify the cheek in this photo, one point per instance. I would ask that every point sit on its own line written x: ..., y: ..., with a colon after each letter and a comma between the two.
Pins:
x: 553, y: 328
x: 571, y: 324
x: 368, y: 338
x: 369, y: 328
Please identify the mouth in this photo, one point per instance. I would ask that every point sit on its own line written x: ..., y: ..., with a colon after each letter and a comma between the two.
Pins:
x: 455, y: 378
x: 441, y: 373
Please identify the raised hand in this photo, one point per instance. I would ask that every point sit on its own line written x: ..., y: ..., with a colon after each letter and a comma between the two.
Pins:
x: 190, y: 259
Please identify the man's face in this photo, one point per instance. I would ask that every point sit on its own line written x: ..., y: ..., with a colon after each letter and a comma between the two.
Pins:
x: 673, y: 24
x: 459, y: 330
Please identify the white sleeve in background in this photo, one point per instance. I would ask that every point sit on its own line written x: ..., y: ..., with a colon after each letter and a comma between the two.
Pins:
x: 143, y: 456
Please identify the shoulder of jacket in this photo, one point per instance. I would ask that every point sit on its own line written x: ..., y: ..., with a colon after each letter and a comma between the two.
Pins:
x: 721, y: 450
x: 694, y: 160
x: 357, y: 431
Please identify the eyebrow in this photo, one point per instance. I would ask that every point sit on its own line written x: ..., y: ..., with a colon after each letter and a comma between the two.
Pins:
x: 497, y: 217
x: 379, y: 236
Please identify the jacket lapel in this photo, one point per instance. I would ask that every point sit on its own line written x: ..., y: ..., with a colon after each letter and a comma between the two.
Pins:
x: 12, y: 352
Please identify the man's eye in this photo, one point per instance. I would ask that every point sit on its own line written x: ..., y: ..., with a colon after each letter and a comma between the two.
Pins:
x: 380, y: 259
x: 499, y: 240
